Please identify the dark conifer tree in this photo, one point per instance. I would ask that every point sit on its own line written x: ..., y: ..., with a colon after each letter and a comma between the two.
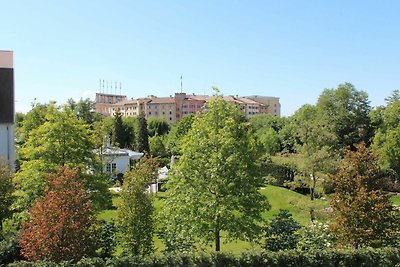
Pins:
x: 143, y: 136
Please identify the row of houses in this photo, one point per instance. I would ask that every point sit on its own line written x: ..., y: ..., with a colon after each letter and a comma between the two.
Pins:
x: 173, y: 108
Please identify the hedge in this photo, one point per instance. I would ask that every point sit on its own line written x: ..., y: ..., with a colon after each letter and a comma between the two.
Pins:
x: 333, y: 257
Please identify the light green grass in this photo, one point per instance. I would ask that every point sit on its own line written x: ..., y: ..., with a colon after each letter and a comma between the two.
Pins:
x: 395, y: 199
x: 279, y: 198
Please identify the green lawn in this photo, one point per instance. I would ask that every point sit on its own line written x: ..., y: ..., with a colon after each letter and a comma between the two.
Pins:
x: 279, y: 198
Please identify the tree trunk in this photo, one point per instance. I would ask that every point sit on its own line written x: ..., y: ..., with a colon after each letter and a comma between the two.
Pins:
x: 312, y: 189
x: 217, y: 236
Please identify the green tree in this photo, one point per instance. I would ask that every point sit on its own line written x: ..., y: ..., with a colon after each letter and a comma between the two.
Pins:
x: 119, y: 131
x: 143, y: 136
x: 387, y: 133
x: 157, y: 148
x: 316, y: 154
x: 6, y: 196
x: 346, y: 110
x: 177, y: 133
x: 282, y: 232
x: 62, y: 140
x: 270, y: 140
x: 135, y: 213
x: 214, y: 185
x: 364, y: 215
x: 61, y: 225
x: 157, y: 127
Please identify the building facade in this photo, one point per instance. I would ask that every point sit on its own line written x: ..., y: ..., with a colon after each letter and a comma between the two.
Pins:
x: 173, y: 108
x: 7, y: 110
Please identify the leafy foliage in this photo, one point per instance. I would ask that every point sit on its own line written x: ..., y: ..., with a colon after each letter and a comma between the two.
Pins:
x: 281, y: 233
x: 316, y: 236
x: 364, y: 215
x: 214, y: 185
x: 61, y: 225
x: 135, y: 213
x: 6, y: 196
x: 346, y: 110
x: 106, y: 239
x: 157, y: 127
x: 143, y: 136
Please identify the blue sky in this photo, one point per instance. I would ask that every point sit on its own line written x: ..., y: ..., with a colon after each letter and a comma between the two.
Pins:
x: 288, y: 49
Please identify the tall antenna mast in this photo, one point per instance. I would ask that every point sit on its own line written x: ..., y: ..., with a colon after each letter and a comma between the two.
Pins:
x: 181, y: 83
x: 120, y: 88
x: 100, y: 85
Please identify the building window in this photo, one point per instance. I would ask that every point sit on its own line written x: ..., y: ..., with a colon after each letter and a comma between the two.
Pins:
x: 111, y: 167
x: 170, y: 118
x: 163, y: 113
x: 149, y: 112
x: 170, y: 113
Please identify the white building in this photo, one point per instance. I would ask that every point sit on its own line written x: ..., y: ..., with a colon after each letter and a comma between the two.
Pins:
x: 7, y: 145
x: 117, y: 160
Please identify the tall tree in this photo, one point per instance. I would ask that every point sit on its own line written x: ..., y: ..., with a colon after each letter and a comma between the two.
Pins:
x: 6, y: 190
x: 315, y: 147
x: 143, y: 136
x: 387, y: 133
x: 135, y: 213
x: 119, y: 133
x: 214, y: 186
x: 346, y: 110
x: 61, y: 225
x: 363, y: 212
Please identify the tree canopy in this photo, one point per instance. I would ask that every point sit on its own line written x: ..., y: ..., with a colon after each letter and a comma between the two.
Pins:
x: 214, y: 185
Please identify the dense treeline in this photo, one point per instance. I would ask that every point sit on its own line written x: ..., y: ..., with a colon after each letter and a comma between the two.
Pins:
x: 341, y: 148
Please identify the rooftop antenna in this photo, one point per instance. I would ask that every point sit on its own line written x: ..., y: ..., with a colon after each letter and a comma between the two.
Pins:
x: 181, y: 83
x: 100, y: 85
x: 116, y: 85
x: 120, y: 88
x: 103, y: 86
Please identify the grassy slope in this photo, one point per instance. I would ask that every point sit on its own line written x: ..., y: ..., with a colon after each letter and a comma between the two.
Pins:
x: 279, y: 198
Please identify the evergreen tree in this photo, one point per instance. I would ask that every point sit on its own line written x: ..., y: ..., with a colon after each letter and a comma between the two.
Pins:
x: 119, y: 131
x: 282, y: 232
x: 143, y: 136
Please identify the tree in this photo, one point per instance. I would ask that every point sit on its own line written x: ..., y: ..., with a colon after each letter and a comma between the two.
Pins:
x: 363, y: 212
x: 214, y: 186
x: 282, y: 232
x: 143, y: 137
x: 135, y: 213
x: 387, y: 132
x: 346, y: 110
x: 119, y: 131
x: 177, y: 133
x: 85, y: 110
x: 61, y: 225
x: 62, y: 140
x: 157, y: 127
x: 6, y: 190
x: 315, y: 147
x: 157, y: 148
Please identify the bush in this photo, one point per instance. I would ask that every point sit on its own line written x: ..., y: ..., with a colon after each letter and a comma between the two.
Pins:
x: 289, y: 258
x: 9, y: 250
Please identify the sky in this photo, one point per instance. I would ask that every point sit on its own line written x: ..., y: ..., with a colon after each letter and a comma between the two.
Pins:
x: 288, y: 49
